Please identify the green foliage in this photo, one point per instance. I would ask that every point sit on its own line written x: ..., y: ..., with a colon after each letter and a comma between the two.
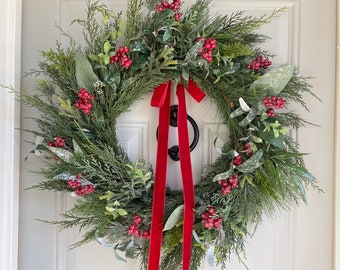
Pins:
x: 134, y: 16
x: 271, y: 176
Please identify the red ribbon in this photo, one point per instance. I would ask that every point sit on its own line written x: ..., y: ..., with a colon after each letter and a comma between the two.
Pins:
x: 161, y: 99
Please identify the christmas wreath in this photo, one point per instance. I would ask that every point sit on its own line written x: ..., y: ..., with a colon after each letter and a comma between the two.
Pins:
x: 83, y: 89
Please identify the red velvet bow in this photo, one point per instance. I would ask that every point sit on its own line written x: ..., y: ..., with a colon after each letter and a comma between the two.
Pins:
x: 161, y: 99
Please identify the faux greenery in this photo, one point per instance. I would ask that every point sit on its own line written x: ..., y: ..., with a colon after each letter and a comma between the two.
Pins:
x: 260, y: 170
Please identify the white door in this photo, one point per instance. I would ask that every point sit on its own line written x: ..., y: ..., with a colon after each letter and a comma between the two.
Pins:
x: 305, y: 35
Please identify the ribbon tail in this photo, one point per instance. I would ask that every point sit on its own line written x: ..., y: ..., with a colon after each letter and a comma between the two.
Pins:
x: 160, y: 99
x: 187, y: 177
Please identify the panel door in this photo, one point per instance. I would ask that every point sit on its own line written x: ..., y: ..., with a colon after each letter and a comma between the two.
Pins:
x: 301, y: 239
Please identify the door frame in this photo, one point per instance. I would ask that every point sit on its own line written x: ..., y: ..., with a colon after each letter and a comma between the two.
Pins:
x: 336, y: 247
x: 10, y: 34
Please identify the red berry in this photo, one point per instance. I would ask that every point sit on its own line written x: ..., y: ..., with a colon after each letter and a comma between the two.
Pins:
x: 218, y: 223
x: 146, y: 234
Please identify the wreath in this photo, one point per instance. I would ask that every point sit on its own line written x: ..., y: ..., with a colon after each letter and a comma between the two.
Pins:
x: 83, y: 89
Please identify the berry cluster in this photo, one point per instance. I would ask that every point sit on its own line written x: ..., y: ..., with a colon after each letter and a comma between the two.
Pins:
x: 58, y: 142
x: 135, y: 230
x: 84, y: 102
x: 78, y: 188
x: 207, y: 48
x: 122, y: 58
x: 237, y: 161
x: 229, y: 184
x: 273, y: 101
x: 210, y: 219
x: 248, y: 149
x: 259, y: 62
x: 174, y: 6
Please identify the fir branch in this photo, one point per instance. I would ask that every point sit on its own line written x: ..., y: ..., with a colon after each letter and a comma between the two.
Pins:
x: 133, y: 18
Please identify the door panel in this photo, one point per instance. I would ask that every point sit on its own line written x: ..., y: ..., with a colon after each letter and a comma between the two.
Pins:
x: 296, y: 240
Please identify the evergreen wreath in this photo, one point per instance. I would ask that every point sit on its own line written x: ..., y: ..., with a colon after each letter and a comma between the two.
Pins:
x: 84, y: 89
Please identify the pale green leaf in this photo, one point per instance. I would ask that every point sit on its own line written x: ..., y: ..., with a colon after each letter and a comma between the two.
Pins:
x: 237, y: 113
x: 248, y: 119
x: 166, y: 35
x: 62, y: 176
x: 251, y: 164
x: 107, y: 47
x: 244, y: 105
x: 63, y: 154
x: 174, y: 218
x: 196, y: 237
x: 77, y: 149
x: 274, y: 81
x: 256, y: 139
x: 118, y: 257
x: 109, y: 209
x: 193, y: 52
x: 223, y: 176
x: 122, y: 212
x: 211, y: 256
x: 301, y: 189
x: 84, y: 72
x: 102, y: 241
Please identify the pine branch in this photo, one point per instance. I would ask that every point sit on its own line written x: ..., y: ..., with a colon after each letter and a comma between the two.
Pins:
x: 133, y: 18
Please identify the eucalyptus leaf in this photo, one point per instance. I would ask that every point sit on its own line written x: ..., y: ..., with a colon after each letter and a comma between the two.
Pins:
x: 229, y: 68
x: 223, y: 176
x: 221, y: 235
x: 118, y: 257
x: 174, y: 218
x: 84, y: 72
x: 244, y: 105
x: 62, y: 176
x: 274, y: 81
x: 211, y: 256
x: 131, y: 244
x: 63, y: 154
x: 248, y: 119
x: 185, y: 76
x: 196, y: 237
x: 101, y: 241
x: 77, y: 149
x: 237, y: 113
x: 251, y: 164
x: 166, y: 35
x: 301, y: 188
x: 193, y: 52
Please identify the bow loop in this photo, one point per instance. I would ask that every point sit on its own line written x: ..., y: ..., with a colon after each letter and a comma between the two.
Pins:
x: 159, y: 94
x: 195, y: 91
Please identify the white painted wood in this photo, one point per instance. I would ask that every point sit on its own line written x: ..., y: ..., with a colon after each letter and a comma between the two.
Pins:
x: 10, y: 21
x: 315, y: 221
x: 283, y: 30
x: 298, y: 240
x: 133, y: 137
x: 336, y: 258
